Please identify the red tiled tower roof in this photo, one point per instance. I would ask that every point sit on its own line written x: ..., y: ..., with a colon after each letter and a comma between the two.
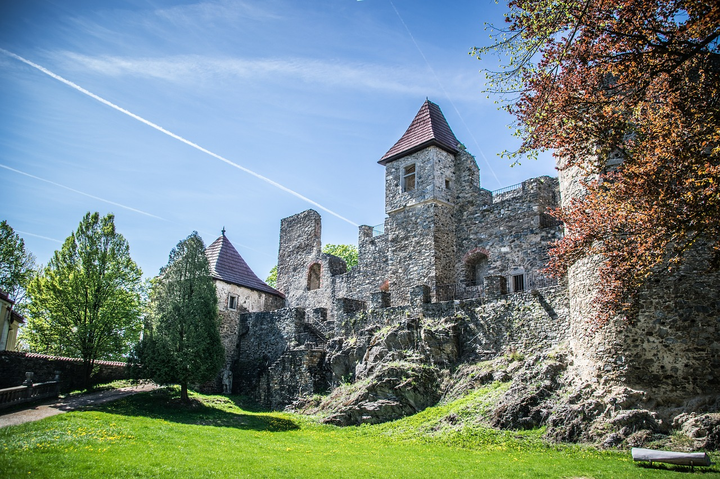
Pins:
x: 227, y: 265
x: 428, y: 128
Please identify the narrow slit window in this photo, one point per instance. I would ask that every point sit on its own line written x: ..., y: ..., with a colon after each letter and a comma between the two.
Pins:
x: 409, y: 178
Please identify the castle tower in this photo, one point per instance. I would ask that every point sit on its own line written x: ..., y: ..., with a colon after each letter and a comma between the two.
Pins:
x: 419, y: 202
x: 671, y: 350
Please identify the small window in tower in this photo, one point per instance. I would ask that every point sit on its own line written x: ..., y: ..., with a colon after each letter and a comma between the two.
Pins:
x: 232, y: 302
x: 409, y: 178
x: 447, y: 184
x: 518, y: 282
x: 314, y: 276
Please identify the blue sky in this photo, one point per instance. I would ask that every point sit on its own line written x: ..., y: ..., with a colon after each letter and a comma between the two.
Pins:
x: 307, y: 94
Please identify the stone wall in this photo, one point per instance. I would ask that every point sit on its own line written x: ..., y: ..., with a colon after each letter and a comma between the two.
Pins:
x: 282, y: 357
x: 247, y: 300
x: 14, y: 365
x: 528, y: 321
x: 513, y: 229
x: 671, y: 351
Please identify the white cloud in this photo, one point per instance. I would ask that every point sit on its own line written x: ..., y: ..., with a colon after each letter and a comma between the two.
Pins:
x: 198, y: 69
x: 229, y: 10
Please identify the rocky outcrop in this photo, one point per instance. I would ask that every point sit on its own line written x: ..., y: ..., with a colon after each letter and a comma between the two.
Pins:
x: 394, y: 390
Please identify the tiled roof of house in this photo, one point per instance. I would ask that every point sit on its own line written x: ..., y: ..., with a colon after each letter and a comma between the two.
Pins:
x: 227, y: 265
x: 428, y: 128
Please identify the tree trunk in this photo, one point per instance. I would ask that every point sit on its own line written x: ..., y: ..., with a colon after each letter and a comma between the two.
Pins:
x: 88, y: 367
x: 184, y: 393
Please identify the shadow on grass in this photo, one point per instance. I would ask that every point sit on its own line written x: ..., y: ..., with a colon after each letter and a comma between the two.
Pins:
x: 714, y: 469
x: 218, y: 411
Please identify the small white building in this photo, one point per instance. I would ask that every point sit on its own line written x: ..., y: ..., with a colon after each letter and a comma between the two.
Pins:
x: 10, y: 322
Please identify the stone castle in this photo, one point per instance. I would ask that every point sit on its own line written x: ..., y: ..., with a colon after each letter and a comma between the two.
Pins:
x: 456, y: 270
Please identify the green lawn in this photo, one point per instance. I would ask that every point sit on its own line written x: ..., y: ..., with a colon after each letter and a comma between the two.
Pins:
x: 152, y: 435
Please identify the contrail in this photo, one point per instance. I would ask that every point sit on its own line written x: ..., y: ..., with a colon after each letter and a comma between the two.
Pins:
x: 173, y: 135
x: 82, y: 193
x: 446, y: 93
x: 38, y: 236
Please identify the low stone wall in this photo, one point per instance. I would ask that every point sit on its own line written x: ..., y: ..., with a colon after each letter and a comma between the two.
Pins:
x: 14, y: 365
x: 527, y: 321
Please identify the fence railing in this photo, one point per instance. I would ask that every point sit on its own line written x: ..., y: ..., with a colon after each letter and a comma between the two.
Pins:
x: 506, y: 189
x: 34, y: 392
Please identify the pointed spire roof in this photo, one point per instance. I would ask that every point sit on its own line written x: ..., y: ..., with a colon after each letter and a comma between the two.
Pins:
x: 227, y: 265
x: 428, y: 128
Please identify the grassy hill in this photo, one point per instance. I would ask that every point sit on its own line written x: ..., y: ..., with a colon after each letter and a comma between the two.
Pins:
x: 153, y: 435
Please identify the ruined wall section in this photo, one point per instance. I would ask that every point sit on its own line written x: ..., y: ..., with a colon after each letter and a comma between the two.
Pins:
x: 512, y: 229
x: 371, y: 271
x: 247, y: 300
x: 262, y: 339
x: 300, y: 249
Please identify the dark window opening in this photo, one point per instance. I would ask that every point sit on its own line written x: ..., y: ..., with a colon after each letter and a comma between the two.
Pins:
x: 447, y: 184
x: 409, y: 178
x: 518, y: 282
x: 314, y: 276
x: 476, y: 267
x: 232, y: 303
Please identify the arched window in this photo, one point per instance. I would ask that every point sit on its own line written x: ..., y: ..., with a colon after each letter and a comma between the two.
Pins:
x: 314, y: 276
x: 476, y: 267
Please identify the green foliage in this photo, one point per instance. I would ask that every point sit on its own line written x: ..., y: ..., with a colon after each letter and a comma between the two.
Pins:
x: 17, y: 266
x: 182, y: 343
x: 271, y: 280
x: 155, y: 435
x: 347, y: 252
x: 87, y: 302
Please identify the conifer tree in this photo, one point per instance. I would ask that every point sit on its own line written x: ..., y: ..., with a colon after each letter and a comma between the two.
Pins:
x: 181, y: 343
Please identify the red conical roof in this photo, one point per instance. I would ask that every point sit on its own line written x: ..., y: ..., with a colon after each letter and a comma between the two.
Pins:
x: 227, y: 265
x: 428, y: 128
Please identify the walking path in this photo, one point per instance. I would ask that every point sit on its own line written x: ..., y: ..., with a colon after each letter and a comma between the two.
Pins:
x: 41, y: 411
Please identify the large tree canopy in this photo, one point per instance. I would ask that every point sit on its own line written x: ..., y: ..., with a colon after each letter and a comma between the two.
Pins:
x: 17, y: 266
x: 87, y: 301
x: 636, y: 79
x: 181, y: 343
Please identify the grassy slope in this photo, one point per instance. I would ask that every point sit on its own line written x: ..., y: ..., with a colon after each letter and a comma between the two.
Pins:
x: 151, y: 435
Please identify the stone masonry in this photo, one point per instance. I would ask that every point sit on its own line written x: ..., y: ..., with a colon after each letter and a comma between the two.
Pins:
x: 454, y: 254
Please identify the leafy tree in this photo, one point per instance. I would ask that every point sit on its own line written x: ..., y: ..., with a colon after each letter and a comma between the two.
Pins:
x: 634, y: 79
x: 87, y: 301
x: 181, y: 342
x: 271, y: 280
x: 347, y: 252
x: 17, y: 266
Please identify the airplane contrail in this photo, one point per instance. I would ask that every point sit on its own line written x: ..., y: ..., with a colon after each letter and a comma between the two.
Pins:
x: 82, y: 193
x: 437, y: 79
x: 38, y: 236
x: 172, y: 135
